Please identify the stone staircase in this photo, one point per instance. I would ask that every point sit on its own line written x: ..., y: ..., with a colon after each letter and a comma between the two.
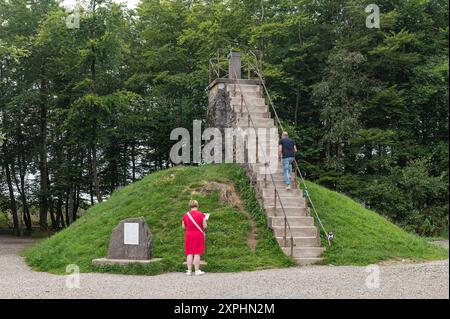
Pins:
x: 307, y: 246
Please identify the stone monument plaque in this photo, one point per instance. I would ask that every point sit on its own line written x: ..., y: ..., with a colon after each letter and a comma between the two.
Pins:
x: 131, y: 233
x: 130, y: 242
x: 131, y: 239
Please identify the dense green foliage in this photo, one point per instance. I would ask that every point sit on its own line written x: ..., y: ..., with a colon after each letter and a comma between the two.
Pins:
x: 89, y: 110
x: 4, y: 222
x: 161, y: 198
x: 362, y: 236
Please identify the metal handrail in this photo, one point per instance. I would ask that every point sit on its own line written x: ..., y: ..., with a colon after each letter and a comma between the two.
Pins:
x: 277, y: 194
x: 216, y: 67
x: 261, y: 80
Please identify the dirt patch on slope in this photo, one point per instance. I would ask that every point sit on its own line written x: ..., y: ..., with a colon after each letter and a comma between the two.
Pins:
x: 229, y: 196
x: 227, y: 193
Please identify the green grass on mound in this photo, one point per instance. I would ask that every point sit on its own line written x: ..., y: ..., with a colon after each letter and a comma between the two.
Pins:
x: 162, y: 198
x: 362, y: 236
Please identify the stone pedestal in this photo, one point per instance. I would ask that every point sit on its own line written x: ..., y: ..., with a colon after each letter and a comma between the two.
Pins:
x: 131, y: 241
x: 234, y: 65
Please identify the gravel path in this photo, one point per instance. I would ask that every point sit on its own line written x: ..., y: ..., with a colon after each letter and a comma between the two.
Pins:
x: 425, y: 280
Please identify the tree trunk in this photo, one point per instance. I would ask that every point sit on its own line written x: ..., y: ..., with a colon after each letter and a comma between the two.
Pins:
x: 23, y: 197
x: 53, y: 216
x: 59, y: 214
x: 27, y: 215
x: 43, y: 206
x: 297, y: 102
x: 70, y: 206
x: 12, y: 199
x: 133, y: 162
x: 76, y: 201
x: 67, y: 210
x: 94, y: 174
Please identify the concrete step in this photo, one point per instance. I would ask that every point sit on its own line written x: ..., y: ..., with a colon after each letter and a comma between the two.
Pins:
x: 295, y: 193
x: 263, y: 154
x: 258, y: 122
x: 293, y: 221
x: 256, y: 114
x: 244, y: 88
x: 286, y: 201
x: 296, y: 231
x: 263, y: 146
x: 276, y: 177
x: 263, y: 142
x: 263, y: 170
x: 269, y: 135
x: 250, y: 108
x: 256, y: 125
x: 281, y: 189
x: 277, y: 167
x: 300, y: 241
x: 307, y: 261
x: 304, y: 252
x: 280, y: 185
x: 247, y: 94
x: 249, y: 100
x: 290, y: 211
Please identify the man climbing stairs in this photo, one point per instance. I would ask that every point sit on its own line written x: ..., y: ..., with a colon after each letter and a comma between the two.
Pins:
x: 287, y: 210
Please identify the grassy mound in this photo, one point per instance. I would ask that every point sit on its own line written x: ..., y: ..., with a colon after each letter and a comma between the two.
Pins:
x: 362, y: 236
x: 161, y: 198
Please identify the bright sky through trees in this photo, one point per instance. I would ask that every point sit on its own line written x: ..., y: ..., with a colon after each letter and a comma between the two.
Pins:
x: 130, y: 3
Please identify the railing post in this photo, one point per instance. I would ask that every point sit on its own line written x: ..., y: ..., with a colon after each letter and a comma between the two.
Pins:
x: 275, y: 197
x: 242, y: 104
x: 257, y: 148
x: 292, y: 246
x: 218, y: 63
x: 265, y: 175
x: 285, y: 231
x: 209, y: 72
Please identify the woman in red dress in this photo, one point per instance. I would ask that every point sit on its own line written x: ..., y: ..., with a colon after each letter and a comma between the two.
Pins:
x: 194, y: 224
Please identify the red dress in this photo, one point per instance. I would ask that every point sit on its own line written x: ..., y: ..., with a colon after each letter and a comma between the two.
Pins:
x: 194, y: 243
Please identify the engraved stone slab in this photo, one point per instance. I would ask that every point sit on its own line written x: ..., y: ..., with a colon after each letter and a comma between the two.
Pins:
x: 131, y: 234
x: 131, y: 240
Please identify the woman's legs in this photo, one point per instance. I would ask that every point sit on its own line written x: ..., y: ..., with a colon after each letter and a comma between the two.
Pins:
x: 189, y: 260
x: 197, y: 262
